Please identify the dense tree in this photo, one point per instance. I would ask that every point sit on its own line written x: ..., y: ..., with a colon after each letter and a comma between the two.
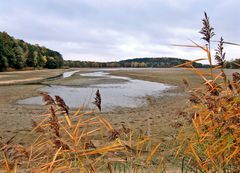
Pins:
x: 18, y: 54
x: 31, y: 59
x: 8, y: 44
x: 3, y: 58
x: 53, y: 62
x: 18, y: 51
x: 234, y: 64
x: 3, y: 63
x: 135, y: 63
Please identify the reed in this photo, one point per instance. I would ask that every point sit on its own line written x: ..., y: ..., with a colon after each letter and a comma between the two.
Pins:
x: 80, y: 142
x: 84, y: 141
x: 213, y: 143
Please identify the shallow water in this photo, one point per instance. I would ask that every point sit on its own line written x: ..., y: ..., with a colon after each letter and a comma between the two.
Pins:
x: 126, y: 94
x: 69, y: 73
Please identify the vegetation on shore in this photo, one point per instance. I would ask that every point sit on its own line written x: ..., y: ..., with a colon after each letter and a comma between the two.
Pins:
x: 18, y: 54
x: 212, y: 142
x: 162, y: 62
x: 86, y: 142
x: 233, y: 64
x: 80, y: 142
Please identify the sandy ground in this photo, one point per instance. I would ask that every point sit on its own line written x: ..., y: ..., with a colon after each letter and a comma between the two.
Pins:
x: 161, y: 118
x: 82, y: 81
x: 16, y: 119
x: 21, y: 77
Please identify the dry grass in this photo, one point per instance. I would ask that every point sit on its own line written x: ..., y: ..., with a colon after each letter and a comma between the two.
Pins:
x: 213, y: 143
x: 82, y: 142
x: 87, y: 142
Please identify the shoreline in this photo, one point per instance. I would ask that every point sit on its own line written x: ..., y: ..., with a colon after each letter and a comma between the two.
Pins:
x: 30, y: 80
x: 88, y: 81
x: 16, y: 116
x: 164, y: 113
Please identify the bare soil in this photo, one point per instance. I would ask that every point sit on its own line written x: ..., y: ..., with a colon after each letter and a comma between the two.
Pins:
x: 161, y: 118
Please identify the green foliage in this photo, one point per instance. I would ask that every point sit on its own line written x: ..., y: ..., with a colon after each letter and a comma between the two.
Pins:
x: 3, y: 62
x: 52, y: 63
x: 18, y: 51
x: 163, y: 62
x: 3, y: 59
x: 18, y: 54
x: 234, y: 64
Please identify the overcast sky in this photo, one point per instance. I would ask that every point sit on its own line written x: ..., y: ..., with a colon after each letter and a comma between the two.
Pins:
x: 109, y: 30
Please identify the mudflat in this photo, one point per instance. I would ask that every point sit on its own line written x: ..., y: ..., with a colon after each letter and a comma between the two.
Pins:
x: 161, y: 117
x: 16, y: 119
x: 33, y: 76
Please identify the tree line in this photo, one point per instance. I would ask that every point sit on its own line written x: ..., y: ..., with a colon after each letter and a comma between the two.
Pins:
x: 163, y: 62
x: 17, y: 54
x: 233, y: 64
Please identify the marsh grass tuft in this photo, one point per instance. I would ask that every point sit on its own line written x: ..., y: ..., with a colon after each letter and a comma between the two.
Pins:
x: 207, y: 30
x: 84, y: 141
x: 212, y: 145
x: 80, y: 142
x: 98, y: 100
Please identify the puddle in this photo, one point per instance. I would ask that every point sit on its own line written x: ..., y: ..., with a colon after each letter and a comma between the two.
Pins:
x: 69, y: 73
x: 130, y: 93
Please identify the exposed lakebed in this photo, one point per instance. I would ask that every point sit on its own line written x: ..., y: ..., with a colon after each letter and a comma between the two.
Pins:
x: 127, y: 93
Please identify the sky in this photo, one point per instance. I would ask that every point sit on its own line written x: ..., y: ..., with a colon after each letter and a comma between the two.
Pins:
x: 112, y: 30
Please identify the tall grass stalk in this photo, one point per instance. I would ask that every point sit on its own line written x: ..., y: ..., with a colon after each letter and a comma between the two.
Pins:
x: 213, y: 144
x: 79, y: 142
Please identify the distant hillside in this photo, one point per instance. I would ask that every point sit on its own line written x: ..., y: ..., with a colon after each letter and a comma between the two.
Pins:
x: 164, y: 62
x: 18, y: 54
x: 233, y: 64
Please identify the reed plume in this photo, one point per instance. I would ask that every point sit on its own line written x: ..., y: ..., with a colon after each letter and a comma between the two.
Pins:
x: 77, y: 143
x: 207, y: 30
x: 98, y: 100
x: 47, y: 99
x: 220, y: 55
x: 213, y: 143
x: 61, y: 103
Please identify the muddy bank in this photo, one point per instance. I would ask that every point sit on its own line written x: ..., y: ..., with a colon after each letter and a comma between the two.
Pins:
x: 29, y: 77
x: 116, y: 91
x: 15, y: 118
x: 83, y: 81
x: 160, y: 113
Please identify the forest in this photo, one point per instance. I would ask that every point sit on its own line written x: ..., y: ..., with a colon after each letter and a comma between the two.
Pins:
x: 162, y: 62
x: 17, y: 54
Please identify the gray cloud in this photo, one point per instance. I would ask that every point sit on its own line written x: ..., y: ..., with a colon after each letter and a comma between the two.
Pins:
x: 112, y: 30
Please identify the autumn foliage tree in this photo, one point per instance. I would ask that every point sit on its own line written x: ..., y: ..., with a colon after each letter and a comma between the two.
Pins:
x: 18, y: 54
